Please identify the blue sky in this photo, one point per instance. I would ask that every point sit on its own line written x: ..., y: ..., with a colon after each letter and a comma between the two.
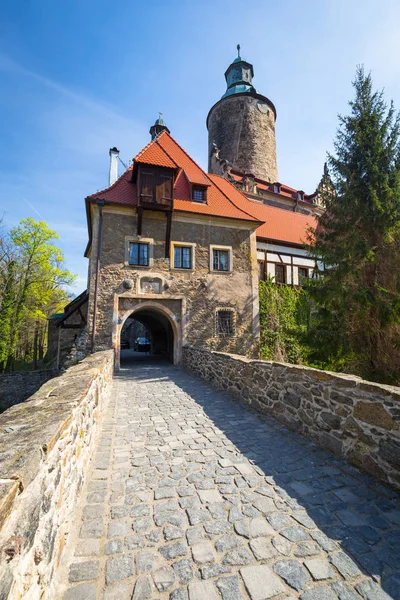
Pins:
x: 78, y: 77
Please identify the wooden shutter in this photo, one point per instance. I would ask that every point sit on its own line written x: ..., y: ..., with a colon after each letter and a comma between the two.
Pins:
x: 147, y: 185
x: 164, y: 188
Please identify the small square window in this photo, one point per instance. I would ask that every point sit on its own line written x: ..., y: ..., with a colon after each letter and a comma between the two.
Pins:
x: 225, y: 323
x: 138, y: 254
x: 280, y: 274
x: 182, y: 257
x: 221, y: 260
x: 198, y: 195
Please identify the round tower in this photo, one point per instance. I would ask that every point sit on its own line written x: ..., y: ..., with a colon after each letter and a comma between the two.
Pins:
x: 241, y: 126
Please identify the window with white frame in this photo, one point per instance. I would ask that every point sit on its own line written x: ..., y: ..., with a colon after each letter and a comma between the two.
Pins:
x: 221, y: 258
x: 225, y: 322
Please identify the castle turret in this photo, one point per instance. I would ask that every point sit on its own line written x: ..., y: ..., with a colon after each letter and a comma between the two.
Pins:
x: 158, y: 127
x: 241, y: 125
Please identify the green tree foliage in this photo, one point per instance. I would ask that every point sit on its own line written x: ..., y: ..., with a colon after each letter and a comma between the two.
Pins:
x: 357, y: 321
x: 284, y: 322
x: 32, y: 280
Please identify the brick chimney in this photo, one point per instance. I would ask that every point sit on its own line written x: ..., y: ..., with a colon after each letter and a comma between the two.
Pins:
x: 114, y: 153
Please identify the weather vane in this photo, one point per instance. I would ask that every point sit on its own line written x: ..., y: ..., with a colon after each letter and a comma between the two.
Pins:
x: 238, y: 49
x: 160, y: 114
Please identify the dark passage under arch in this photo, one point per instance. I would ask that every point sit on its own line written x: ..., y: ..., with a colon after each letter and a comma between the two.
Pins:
x: 153, y: 325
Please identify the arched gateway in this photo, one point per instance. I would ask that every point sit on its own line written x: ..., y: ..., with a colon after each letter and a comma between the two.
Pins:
x: 163, y: 325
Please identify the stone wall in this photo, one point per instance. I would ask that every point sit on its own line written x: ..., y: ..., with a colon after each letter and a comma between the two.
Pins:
x: 244, y: 134
x: 17, y: 387
x: 355, y: 419
x: 45, y: 446
x: 202, y: 289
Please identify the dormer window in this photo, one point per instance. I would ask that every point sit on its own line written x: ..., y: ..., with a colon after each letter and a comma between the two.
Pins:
x: 198, y: 194
x: 276, y: 188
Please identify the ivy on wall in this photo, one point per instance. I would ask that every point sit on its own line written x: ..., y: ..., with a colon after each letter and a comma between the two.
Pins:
x: 285, y: 314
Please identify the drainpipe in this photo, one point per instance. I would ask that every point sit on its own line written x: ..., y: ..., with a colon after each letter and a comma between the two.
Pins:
x: 100, y: 204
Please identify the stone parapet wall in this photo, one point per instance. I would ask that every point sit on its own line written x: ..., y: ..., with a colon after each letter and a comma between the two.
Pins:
x: 355, y: 419
x: 45, y: 446
x: 17, y: 387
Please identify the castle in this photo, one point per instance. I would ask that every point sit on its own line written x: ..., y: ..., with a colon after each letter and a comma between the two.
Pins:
x: 181, y: 250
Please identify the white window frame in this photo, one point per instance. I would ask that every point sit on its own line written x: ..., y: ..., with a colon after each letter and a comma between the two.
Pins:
x: 217, y: 247
x: 139, y: 240
x: 172, y: 255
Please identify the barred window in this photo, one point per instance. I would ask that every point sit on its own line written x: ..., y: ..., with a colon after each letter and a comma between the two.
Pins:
x: 225, y: 323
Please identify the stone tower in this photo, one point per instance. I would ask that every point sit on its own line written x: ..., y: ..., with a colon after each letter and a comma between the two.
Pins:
x: 241, y: 126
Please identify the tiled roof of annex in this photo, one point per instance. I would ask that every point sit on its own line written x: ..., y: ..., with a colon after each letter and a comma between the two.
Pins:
x: 278, y: 224
x: 223, y: 198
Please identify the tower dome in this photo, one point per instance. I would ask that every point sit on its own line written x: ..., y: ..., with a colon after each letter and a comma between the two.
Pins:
x: 241, y: 125
x: 158, y: 127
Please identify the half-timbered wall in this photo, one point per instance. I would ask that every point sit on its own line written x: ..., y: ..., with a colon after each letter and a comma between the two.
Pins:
x: 273, y: 259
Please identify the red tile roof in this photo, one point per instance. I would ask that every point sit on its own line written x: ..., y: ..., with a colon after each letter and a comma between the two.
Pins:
x: 223, y: 198
x: 278, y: 224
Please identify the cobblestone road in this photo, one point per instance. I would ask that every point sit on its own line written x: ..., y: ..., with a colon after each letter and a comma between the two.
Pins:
x: 192, y: 496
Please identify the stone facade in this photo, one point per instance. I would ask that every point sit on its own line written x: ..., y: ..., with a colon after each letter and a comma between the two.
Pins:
x: 17, y: 387
x: 45, y: 447
x: 354, y: 419
x: 245, y: 135
x: 187, y: 298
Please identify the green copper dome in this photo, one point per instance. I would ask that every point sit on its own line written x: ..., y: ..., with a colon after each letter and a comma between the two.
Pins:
x: 239, y: 77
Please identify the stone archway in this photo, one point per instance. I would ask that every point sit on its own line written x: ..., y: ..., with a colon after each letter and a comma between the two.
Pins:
x: 161, y: 322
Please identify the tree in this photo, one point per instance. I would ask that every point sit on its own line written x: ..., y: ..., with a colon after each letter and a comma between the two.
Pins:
x: 34, y: 288
x: 357, y: 322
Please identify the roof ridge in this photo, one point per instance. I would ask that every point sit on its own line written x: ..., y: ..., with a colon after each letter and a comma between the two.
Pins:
x: 110, y: 187
x: 184, y: 151
x: 165, y: 151
x: 229, y: 199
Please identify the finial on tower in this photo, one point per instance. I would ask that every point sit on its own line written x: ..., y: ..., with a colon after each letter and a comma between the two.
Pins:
x: 238, y: 49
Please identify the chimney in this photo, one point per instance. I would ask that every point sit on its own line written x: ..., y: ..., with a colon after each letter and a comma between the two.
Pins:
x: 114, y: 153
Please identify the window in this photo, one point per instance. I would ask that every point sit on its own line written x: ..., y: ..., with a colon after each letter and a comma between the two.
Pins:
x: 138, y: 254
x: 221, y: 260
x: 198, y: 195
x: 182, y: 257
x: 303, y: 274
x: 280, y: 274
x: 225, y: 323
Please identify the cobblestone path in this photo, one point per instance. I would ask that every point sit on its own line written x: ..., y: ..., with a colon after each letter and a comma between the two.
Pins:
x: 192, y: 496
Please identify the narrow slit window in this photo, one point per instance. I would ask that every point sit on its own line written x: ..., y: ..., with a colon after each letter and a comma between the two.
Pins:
x: 221, y: 260
x: 138, y: 254
x: 225, y: 324
x: 182, y: 257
